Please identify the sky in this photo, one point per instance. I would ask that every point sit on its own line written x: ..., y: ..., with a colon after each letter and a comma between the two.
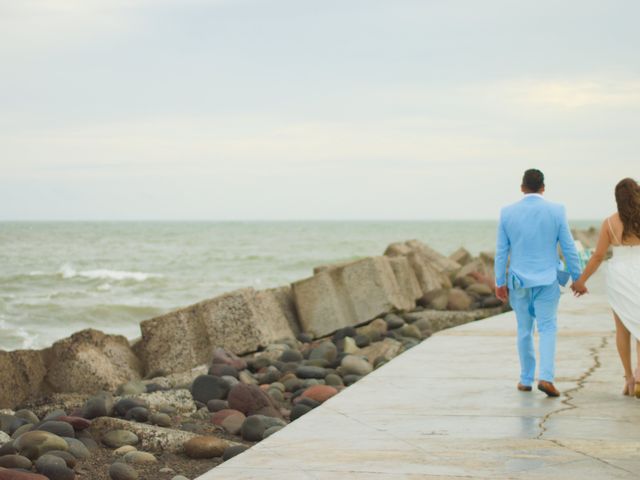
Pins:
x: 313, y: 110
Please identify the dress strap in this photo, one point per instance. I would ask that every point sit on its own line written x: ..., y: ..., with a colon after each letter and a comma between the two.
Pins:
x: 612, y: 232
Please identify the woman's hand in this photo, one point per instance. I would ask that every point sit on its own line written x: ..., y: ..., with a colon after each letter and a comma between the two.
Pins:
x: 579, y: 288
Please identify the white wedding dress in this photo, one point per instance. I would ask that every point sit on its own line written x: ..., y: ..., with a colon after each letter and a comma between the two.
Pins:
x: 623, y: 285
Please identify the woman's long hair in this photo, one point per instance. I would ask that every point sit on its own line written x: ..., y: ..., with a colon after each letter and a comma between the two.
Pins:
x: 628, y: 200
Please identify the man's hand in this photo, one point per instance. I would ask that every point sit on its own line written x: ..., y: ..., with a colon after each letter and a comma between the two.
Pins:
x: 502, y: 293
x: 579, y: 288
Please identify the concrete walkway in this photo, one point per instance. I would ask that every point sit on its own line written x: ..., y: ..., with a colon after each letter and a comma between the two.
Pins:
x: 448, y: 408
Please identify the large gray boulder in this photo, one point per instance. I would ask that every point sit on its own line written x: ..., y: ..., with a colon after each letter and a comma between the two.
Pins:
x: 348, y: 294
x: 241, y: 321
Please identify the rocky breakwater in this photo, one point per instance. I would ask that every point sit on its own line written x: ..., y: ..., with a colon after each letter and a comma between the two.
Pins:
x: 205, y: 382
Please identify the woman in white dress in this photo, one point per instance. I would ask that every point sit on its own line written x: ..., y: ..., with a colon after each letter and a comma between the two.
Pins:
x: 621, y: 231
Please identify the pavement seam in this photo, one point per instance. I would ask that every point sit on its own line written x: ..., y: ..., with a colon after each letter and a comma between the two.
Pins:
x: 568, y: 398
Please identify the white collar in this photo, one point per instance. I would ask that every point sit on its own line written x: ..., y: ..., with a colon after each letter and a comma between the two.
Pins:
x: 533, y: 195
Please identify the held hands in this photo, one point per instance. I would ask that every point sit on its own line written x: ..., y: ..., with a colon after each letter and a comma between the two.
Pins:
x: 502, y: 293
x: 579, y: 288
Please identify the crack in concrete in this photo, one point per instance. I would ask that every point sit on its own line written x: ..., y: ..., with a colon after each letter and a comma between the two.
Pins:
x: 568, y: 394
x: 568, y: 405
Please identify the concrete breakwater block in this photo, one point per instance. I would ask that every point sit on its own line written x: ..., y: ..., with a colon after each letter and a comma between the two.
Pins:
x: 348, y: 294
x: 89, y: 361
x: 440, y: 262
x: 406, y: 278
x: 22, y: 373
x: 241, y: 321
x: 432, y: 269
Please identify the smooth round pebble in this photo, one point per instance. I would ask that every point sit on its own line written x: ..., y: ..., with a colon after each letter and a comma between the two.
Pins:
x: 8, y: 449
x: 138, y: 414
x: 98, y: 406
x: 62, y: 429
x: 352, y: 364
x: 54, y: 414
x: 299, y: 410
x: 27, y: 415
x: 216, y: 405
x: 124, y: 450
x: 168, y: 409
x: 119, y: 438
x: 204, y: 447
x: 36, y: 443
x: 54, y: 468
x: 160, y: 419
x: 123, y: 405
x: 208, y: 387
x: 139, y: 458
x: 393, y: 321
x: 23, y: 429
x: 291, y: 356
x: 270, y: 431
x: 334, y: 380
x: 122, y: 471
x: 69, y: 459
x: 78, y: 423
x: 78, y: 448
x: 15, y: 461
x: 308, y: 371
x: 233, y: 450
x: 233, y: 423
x: 222, y: 370
x: 320, y: 393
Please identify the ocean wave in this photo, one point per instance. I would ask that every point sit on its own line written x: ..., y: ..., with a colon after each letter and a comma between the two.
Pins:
x: 67, y: 271
x: 15, y: 337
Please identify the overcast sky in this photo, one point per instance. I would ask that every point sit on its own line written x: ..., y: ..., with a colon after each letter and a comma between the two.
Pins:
x: 326, y: 109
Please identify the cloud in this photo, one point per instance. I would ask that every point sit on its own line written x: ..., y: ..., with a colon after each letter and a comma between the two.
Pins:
x: 576, y: 94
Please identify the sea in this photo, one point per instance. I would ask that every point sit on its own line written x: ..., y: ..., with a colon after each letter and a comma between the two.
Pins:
x: 57, y: 278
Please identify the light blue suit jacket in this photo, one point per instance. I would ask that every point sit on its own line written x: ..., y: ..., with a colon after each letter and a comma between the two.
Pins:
x: 528, y: 233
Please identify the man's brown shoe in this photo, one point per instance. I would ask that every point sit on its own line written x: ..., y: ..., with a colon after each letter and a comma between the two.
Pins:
x: 548, y: 388
x: 524, y: 388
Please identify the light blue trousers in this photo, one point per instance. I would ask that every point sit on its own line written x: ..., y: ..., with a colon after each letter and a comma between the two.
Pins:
x: 539, y: 304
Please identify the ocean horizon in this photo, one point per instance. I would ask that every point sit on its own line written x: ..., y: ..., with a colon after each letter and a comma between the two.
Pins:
x: 59, y: 277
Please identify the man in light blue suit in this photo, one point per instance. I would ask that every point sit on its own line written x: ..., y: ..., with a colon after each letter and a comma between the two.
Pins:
x: 528, y: 237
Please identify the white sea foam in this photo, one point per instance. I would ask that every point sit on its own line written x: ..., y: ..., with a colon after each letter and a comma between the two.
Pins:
x: 105, y: 287
x: 28, y: 339
x: 67, y: 271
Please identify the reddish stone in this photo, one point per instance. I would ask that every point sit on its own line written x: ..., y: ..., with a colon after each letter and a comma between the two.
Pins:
x: 251, y: 400
x: 16, y: 475
x: 219, y: 416
x: 220, y: 355
x: 320, y: 393
x: 78, y: 423
x: 233, y: 423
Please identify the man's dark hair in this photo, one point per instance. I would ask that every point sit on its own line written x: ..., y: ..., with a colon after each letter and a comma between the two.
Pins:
x: 533, y: 180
